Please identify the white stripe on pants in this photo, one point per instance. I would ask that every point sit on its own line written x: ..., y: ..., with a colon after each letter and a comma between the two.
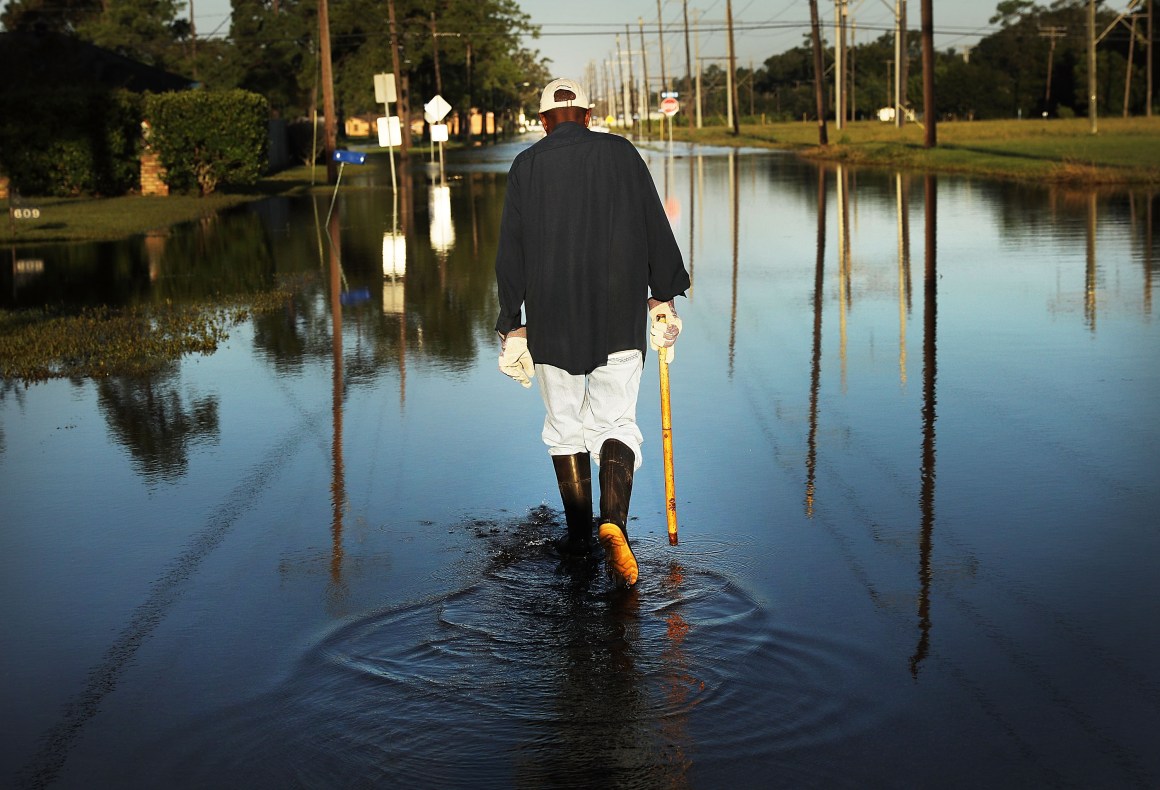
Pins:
x: 584, y: 411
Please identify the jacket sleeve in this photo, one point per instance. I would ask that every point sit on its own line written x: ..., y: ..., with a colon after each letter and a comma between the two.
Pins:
x: 509, y: 261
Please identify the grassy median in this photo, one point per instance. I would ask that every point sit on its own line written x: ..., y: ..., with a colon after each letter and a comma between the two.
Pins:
x: 1124, y: 151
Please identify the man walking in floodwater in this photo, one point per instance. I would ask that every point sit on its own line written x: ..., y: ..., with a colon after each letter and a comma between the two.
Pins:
x: 586, y: 251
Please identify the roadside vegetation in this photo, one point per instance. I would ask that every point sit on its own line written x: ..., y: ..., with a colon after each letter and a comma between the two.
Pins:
x: 1123, y: 152
x: 97, y: 219
x: 134, y: 341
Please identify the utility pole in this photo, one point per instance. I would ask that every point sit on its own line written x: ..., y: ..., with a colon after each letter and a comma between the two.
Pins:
x: 435, y: 52
x: 193, y: 40
x: 929, y: 112
x: 899, y: 46
x: 330, y: 122
x: 404, y: 126
x: 1148, y: 67
x: 1128, y: 70
x: 647, y: 93
x: 839, y: 64
x: 620, y: 79
x: 853, y: 73
x: 609, y: 96
x: 1091, y: 24
x: 732, y: 69
x: 688, y: 61
x: 819, y: 73
x: 902, y: 67
x: 752, y: 85
x: 697, y: 44
x: 661, y: 37
x: 1052, y: 34
x: 631, y: 79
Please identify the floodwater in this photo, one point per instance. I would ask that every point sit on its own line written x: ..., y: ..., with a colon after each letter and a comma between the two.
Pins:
x: 916, y: 446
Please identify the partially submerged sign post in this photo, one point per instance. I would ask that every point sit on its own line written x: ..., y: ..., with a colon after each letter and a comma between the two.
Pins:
x: 390, y: 131
x: 670, y: 106
x: 344, y: 158
x: 435, y: 111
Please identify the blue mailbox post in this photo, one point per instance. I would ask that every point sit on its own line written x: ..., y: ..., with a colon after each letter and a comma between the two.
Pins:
x: 344, y: 158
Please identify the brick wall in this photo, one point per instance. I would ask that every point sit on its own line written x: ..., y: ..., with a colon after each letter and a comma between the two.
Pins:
x: 152, y: 175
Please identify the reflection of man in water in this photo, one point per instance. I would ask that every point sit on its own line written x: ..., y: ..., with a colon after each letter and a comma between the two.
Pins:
x: 583, y: 243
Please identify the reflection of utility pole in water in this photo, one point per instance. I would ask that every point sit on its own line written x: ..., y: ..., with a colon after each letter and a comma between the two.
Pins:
x: 902, y: 195
x: 816, y: 356
x: 1089, y: 300
x: 929, y: 375
x: 700, y: 191
x: 337, y: 591
x: 843, y: 265
x: 692, y: 215
x: 733, y: 179
x: 474, y: 215
x: 678, y: 686
x: 1149, y: 201
x: 394, y: 278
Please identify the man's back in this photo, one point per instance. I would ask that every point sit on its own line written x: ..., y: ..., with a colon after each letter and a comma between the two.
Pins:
x: 584, y: 236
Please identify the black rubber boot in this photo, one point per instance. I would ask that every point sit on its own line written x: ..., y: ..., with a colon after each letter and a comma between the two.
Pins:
x: 574, y: 474
x: 617, y: 462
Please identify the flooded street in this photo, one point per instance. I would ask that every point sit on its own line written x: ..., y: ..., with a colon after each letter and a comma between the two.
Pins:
x: 916, y: 444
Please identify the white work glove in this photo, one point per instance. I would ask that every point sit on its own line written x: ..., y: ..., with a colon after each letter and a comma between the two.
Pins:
x: 663, y: 334
x: 516, y: 360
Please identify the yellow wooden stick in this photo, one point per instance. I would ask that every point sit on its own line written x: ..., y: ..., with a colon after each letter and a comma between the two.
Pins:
x: 667, y: 445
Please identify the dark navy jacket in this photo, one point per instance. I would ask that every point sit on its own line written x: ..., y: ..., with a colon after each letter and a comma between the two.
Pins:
x: 583, y: 241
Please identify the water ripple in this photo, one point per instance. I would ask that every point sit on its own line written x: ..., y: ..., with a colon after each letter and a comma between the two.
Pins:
x: 535, y: 674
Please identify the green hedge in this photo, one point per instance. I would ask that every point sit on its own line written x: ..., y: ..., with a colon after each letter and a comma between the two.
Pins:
x: 208, y: 139
x: 68, y: 142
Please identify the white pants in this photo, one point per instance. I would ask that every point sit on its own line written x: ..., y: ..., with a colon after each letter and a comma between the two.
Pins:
x: 584, y: 411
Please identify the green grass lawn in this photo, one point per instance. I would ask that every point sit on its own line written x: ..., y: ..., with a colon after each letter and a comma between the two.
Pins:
x: 1126, y: 151
x: 89, y: 218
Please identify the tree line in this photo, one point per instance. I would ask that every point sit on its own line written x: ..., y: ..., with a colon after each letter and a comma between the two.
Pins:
x: 468, y: 51
x: 471, y: 53
x: 1036, y: 63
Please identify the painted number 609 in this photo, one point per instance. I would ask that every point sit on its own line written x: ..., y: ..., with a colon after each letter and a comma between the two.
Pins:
x: 26, y: 213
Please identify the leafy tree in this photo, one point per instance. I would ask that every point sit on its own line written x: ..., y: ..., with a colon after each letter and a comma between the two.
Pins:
x: 57, y: 16
x: 143, y: 30
x: 274, y: 52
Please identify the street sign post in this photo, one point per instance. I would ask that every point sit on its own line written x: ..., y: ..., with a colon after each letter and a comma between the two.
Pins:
x: 669, y: 107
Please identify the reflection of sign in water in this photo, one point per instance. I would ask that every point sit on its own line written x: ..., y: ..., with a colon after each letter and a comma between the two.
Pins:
x: 393, y: 297
x: 394, y: 267
x: 394, y: 255
x: 442, y: 229
x: 673, y: 211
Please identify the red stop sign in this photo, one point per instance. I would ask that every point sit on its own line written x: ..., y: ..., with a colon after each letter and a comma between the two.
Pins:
x: 669, y: 106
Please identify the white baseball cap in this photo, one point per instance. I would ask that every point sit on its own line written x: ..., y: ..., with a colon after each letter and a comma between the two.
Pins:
x: 548, y: 100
